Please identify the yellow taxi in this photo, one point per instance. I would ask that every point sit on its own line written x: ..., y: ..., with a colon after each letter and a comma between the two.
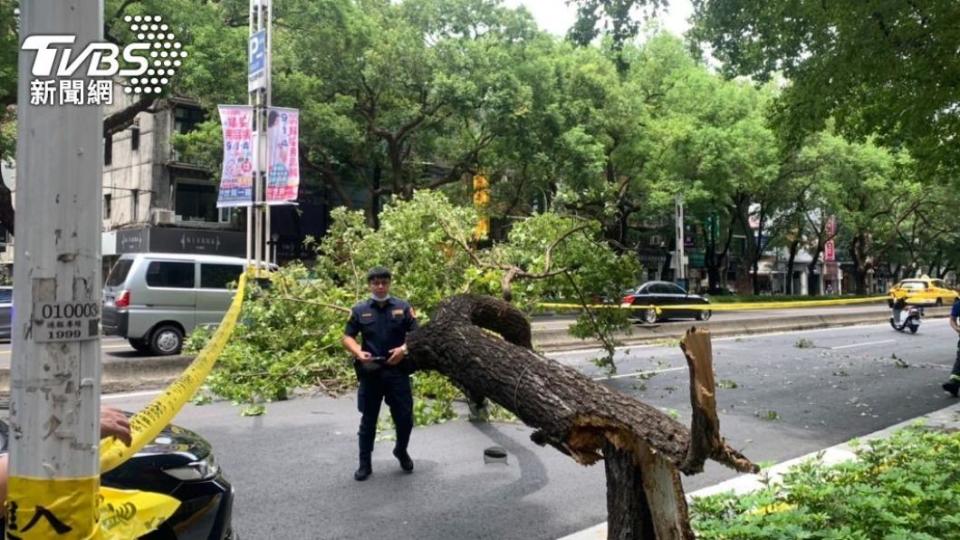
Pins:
x: 923, y: 290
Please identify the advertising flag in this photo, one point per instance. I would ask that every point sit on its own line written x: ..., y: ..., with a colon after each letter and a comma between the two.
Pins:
x: 236, y: 182
x: 283, y: 178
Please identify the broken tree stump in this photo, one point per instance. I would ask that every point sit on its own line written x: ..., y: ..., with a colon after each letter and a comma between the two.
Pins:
x: 643, y: 448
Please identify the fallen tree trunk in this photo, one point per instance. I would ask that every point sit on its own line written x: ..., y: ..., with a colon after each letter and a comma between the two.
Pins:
x: 588, y: 421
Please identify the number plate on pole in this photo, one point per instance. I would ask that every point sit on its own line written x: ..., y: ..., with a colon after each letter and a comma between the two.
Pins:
x: 65, y: 321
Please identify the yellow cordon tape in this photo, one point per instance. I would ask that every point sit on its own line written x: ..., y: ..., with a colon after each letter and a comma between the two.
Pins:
x: 42, y: 508
x: 117, y: 514
x: 128, y: 514
x: 39, y: 508
x: 148, y: 423
x: 734, y: 306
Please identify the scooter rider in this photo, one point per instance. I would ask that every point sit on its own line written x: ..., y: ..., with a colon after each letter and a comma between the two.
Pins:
x: 900, y: 321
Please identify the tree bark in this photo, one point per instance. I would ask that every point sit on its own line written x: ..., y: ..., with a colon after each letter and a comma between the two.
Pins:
x: 582, y: 418
x: 791, y: 257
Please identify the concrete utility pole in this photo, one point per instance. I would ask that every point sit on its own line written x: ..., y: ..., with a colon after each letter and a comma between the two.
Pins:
x: 55, y: 386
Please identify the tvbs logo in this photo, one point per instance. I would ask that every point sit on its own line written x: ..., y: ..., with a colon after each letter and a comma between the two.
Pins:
x: 103, y: 57
x: 147, y: 65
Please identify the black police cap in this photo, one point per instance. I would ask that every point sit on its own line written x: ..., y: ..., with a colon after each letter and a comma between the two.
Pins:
x: 378, y: 272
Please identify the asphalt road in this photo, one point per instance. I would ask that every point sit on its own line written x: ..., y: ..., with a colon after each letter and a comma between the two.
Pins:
x: 779, y: 399
x: 117, y: 348
x: 563, y: 320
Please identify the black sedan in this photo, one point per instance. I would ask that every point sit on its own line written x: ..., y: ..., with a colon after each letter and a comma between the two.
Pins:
x: 178, y: 463
x: 664, y: 293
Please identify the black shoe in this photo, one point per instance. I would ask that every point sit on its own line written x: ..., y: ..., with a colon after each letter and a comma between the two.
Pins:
x: 952, y: 387
x: 405, y: 462
x: 363, y: 472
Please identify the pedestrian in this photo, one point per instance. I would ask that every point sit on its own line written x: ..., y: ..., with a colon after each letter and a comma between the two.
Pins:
x: 382, y: 367
x: 953, y: 384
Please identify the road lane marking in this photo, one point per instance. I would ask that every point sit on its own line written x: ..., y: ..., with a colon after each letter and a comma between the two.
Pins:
x: 142, y: 393
x: 862, y: 344
x: 638, y: 373
x: 742, y: 337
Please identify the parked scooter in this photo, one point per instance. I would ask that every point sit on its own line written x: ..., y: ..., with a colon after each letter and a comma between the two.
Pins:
x: 906, y: 317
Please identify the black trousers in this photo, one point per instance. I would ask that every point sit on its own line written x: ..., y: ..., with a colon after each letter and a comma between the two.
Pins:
x: 390, y: 385
x: 956, y: 363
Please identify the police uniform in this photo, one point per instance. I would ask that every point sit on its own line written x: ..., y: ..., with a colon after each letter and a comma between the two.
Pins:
x: 953, y: 384
x: 383, y: 326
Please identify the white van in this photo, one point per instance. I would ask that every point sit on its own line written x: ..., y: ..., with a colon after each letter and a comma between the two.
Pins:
x: 155, y: 299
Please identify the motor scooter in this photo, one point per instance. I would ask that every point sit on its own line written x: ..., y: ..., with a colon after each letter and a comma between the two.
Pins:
x: 906, y: 317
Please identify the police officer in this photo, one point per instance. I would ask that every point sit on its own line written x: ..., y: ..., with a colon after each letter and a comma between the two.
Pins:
x: 953, y: 384
x: 382, y: 368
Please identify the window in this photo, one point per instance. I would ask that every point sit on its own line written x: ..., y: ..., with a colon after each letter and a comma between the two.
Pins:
x: 913, y: 285
x: 135, y: 138
x: 108, y: 150
x: 217, y: 276
x: 196, y: 202
x: 171, y: 275
x: 6, y: 295
x: 185, y: 119
x: 673, y: 289
x: 107, y: 205
x: 135, y: 205
x: 118, y: 274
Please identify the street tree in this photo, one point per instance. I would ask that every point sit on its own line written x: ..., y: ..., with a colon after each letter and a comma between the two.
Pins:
x: 291, y: 333
x: 868, y: 66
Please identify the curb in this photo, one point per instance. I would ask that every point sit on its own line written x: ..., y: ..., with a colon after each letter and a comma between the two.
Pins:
x: 151, y: 373
x: 556, y: 340
x: 947, y: 418
x: 124, y: 375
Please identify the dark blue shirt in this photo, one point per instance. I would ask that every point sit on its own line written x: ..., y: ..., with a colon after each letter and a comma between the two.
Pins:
x: 382, y: 327
x: 955, y: 310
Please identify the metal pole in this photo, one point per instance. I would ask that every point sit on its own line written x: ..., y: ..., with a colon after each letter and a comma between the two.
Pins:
x: 257, y: 99
x: 251, y: 102
x: 268, y: 14
x: 679, y: 227
x: 55, y: 369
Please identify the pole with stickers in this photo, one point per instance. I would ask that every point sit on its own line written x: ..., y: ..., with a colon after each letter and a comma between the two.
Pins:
x: 55, y: 368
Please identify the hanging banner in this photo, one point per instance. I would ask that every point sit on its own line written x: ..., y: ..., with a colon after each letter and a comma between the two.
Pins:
x: 236, y: 182
x: 283, y: 135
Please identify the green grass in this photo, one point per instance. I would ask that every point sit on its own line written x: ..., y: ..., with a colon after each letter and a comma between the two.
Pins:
x: 904, y: 487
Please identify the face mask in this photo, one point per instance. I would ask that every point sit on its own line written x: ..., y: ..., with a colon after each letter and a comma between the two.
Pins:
x: 380, y: 298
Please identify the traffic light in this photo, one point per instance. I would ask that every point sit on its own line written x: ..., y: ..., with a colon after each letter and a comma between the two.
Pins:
x: 481, y: 200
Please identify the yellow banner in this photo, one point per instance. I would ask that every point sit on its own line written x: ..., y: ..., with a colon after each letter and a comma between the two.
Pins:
x: 126, y: 514
x: 148, y: 423
x: 72, y: 509
x: 39, y: 508
x: 733, y: 306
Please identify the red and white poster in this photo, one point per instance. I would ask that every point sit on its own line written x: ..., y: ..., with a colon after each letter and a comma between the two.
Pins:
x: 829, y: 250
x: 283, y: 135
x: 236, y: 182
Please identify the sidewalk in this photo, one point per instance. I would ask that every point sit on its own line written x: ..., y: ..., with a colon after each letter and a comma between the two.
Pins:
x: 947, y: 419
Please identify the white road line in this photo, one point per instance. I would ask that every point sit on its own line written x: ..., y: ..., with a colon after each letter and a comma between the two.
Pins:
x: 863, y: 344
x: 131, y: 394
x: 742, y: 337
x: 638, y: 373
